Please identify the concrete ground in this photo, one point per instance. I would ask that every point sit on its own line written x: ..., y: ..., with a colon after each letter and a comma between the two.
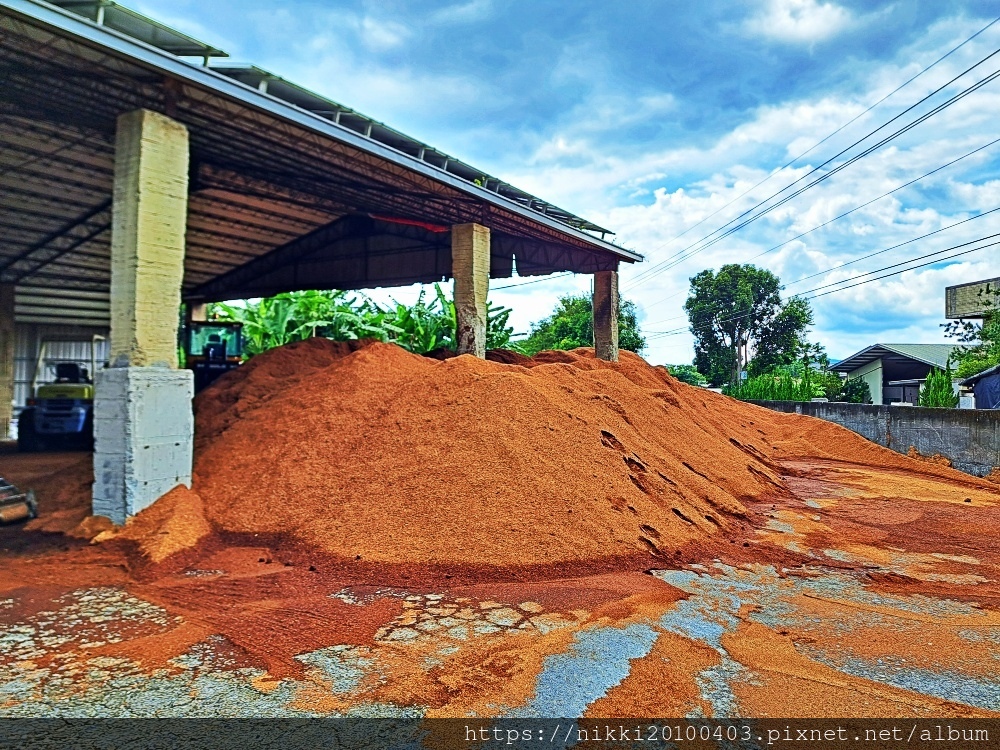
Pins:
x: 864, y: 592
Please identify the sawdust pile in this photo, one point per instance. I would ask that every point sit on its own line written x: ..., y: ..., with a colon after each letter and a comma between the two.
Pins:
x: 372, y: 453
x: 173, y: 523
x: 63, y: 495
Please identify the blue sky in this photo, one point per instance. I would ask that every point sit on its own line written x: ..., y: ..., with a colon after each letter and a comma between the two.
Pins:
x: 649, y: 117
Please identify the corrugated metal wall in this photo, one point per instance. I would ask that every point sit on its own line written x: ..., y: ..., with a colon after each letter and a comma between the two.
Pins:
x: 70, y: 307
x: 63, y: 343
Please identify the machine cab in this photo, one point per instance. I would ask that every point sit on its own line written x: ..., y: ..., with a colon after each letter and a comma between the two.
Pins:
x: 212, y: 348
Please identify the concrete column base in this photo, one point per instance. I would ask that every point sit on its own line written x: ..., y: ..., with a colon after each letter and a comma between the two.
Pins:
x: 144, y: 437
x: 606, y: 315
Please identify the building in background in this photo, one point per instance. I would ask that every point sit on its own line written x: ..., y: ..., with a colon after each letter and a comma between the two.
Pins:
x: 986, y: 387
x: 895, y: 372
x: 969, y: 301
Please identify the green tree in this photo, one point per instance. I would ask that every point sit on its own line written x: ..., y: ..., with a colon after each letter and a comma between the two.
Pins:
x: 571, y: 325
x: 854, y: 391
x: 782, y: 340
x: 687, y: 374
x: 980, y: 342
x: 937, y: 390
x: 741, y: 324
x: 426, y: 325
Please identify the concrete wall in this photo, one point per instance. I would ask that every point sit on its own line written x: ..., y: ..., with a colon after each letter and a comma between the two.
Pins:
x: 969, y: 438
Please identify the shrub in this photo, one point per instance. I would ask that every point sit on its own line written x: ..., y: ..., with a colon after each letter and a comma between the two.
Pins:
x: 938, y: 390
x: 687, y: 374
x: 294, y: 316
x: 854, y: 391
x: 781, y: 387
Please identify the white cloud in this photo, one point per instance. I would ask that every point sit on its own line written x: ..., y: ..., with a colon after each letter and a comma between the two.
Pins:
x: 655, y: 191
x: 799, y: 21
x: 379, y: 34
x: 463, y: 13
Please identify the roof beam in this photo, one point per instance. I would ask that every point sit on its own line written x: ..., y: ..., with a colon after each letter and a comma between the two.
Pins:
x: 92, y: 223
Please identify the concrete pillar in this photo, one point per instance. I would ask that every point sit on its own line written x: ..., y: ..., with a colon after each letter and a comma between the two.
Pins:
x: 143, y: 424
x: 606, y: 315
x: 6, y: 358
x: 470, y: 262
x: 197, y: 312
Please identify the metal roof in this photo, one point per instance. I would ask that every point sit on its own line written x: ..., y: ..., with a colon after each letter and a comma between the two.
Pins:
x: 936, y: 355
x: 136, y: 25
x: 276, y: 86
x: 268, y: 169
x: 973, y: 379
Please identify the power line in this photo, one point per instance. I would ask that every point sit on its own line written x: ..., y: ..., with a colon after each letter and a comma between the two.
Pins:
x: 873, y: 200
x: 533, y: 281
x: 896, y: 265
x: 709, y: 240
x: 893, y: 247
x: 680, y: 256
x: 678, y: 331
x: 857, y: 208
x: 912, y: 268
x: 829, y: 136
x: 858, y: 260
x: 843, y: 165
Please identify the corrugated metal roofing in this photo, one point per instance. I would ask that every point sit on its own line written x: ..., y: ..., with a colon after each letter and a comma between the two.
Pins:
x: 936, y: 355
x: 123, y: 19
x: 266, y: 171
x: 973, y: 379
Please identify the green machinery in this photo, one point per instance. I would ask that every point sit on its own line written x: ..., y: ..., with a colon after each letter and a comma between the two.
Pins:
x: 211, y: 349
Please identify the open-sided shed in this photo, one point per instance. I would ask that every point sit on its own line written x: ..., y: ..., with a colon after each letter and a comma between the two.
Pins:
x: 135, y: 175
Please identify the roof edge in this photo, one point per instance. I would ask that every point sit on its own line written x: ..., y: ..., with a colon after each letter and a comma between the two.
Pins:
x: 56, y: 18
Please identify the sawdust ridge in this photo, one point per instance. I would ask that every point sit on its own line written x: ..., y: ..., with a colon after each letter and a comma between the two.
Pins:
x: 372, y: 453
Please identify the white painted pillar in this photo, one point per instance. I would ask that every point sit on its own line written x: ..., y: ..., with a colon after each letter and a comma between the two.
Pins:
x: 6, y: 359
x: 143, y: 424
x: 470, y: 260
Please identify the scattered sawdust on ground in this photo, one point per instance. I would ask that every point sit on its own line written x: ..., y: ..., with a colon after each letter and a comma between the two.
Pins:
x: 552, y: 482
x: 174, y: 523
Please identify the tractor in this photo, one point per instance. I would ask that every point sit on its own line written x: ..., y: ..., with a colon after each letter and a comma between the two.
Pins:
x: 211, y: 349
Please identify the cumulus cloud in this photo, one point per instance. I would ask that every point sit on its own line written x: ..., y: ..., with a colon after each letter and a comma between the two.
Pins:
x: 463, y: 13
x: 668, y: 144
x: 799, y: 21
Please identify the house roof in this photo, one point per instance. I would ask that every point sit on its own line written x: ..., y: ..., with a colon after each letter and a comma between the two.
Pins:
x: 973, y: 379
x: 936, y: 355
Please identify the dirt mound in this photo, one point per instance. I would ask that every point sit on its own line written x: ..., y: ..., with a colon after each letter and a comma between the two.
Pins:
x: 63, y: 497
x: 249, y: 387
x: 173, y: 523
x: 373, y: 453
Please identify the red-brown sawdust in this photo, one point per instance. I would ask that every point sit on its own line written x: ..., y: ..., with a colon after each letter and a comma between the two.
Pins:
x: 324, y: 467
x: 174, y: 523
x: 371, y: 453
